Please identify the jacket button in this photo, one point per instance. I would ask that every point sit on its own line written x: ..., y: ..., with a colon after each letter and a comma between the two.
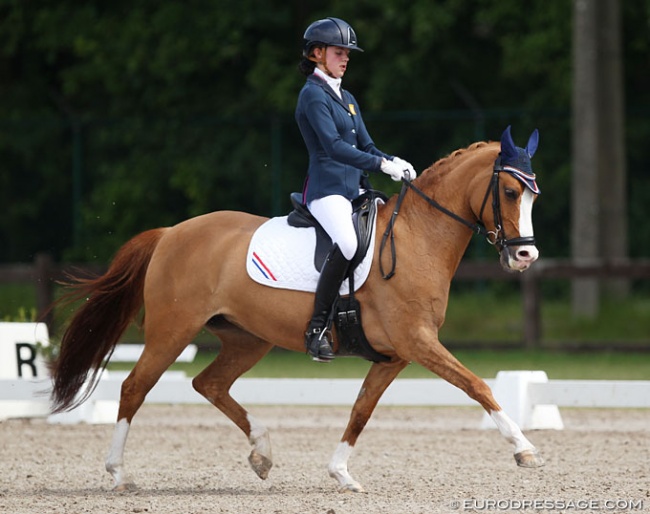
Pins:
x: 354, y: 131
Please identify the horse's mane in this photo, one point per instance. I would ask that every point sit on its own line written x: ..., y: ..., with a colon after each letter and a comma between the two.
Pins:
x: 442, y: 166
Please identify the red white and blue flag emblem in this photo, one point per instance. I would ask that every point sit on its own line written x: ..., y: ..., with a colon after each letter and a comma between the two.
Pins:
x: 263, y: 268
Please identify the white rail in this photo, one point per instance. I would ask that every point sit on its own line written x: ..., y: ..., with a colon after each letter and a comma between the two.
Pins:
x: 526, y: 396
x: 592, y: 393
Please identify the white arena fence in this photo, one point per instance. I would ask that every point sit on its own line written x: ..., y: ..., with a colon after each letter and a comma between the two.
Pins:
x: 528, y: 397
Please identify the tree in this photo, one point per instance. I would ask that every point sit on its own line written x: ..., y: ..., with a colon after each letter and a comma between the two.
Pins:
x: 599, y: 228
x: 116, y: 117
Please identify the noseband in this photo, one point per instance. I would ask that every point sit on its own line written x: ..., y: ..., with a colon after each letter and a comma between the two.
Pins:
x: 496, y: 237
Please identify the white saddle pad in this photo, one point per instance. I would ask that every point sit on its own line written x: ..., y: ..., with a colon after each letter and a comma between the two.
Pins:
x: 282, y: 256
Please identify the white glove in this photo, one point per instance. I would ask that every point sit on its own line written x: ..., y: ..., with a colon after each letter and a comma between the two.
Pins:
x: 406, y: 166
x: 393, y: 169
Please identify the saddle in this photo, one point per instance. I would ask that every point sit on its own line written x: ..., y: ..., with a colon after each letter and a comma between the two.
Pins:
x: 364, y: 212
x: 347, y: 310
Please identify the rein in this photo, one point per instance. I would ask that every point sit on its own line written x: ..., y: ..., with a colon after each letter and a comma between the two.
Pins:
x: 492, y: 237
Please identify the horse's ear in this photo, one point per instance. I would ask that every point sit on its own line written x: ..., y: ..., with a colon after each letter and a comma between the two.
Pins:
x: 533, y: 142
x: 508, y: 148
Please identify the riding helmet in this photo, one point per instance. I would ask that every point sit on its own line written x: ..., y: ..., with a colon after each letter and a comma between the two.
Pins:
x: 329, y: 32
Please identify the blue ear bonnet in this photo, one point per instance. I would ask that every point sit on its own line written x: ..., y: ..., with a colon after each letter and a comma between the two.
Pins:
x: 516, y: 160
x: 521, y: 161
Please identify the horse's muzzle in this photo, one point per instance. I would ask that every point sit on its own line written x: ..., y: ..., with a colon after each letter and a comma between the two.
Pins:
x: 518, y: 258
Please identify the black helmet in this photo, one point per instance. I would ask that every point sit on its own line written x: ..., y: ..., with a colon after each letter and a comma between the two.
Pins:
x: 329, y: 32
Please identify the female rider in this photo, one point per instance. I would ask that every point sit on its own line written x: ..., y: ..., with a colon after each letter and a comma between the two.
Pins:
x: 340, y: 149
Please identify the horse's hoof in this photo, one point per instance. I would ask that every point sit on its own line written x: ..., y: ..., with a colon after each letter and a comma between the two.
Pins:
x: 260, y: 464
x: 529, y: 459
x: 121, y: 488
x: 352, y: 488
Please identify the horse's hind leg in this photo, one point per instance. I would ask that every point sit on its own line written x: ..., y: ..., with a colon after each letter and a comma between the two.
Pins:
x: 152, y: 364
x: 240, y: 351
x: 377, y: 380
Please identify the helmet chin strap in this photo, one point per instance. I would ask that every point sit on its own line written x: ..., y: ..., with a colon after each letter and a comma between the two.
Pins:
x: 322, y: 63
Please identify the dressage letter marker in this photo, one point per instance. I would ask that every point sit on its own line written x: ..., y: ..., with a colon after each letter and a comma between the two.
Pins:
x: 19, y: 358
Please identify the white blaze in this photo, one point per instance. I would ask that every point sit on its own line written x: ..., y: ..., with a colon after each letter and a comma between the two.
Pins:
x: 526, y: 214
x: 526, y: 222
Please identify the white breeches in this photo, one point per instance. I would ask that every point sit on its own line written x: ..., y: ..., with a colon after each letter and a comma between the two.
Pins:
x: 334, y: 213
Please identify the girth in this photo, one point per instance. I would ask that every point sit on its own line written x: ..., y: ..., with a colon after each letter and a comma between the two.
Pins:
x: 364, y: 212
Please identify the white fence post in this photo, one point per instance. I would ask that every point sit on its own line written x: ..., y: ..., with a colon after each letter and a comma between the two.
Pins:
x: 512, y: 392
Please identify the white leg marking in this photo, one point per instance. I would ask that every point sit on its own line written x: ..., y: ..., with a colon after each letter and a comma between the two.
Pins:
x: 115, y: 457
x: 259, y: 438
x: 260, y: 458
x: 338, y: 469
x: 511, y: 431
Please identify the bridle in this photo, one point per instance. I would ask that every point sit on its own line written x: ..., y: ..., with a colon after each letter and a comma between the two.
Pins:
x: 502, y: 241
x: 496, y: 237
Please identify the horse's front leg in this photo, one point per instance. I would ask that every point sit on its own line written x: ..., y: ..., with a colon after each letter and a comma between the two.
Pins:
x: 431, y: 354
x: 378, y: 379
x: 526, y: 455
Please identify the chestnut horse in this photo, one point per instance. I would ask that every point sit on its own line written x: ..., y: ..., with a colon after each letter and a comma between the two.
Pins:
x: 193, y: 276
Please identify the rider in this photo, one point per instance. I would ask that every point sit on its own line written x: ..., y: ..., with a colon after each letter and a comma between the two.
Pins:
x: 339, y: 149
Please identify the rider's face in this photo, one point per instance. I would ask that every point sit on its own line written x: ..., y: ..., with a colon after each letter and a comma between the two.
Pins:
x: 336, y: 59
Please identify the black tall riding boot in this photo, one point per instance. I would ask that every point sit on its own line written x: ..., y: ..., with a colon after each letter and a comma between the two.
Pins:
x: 332, y: 275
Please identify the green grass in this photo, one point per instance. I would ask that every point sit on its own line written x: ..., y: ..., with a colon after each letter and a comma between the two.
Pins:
x: 489, y: 317
x: 15, y: 300
x: 485, y: 363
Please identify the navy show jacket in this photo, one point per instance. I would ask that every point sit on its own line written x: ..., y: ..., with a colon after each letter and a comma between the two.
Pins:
x: 337, y: 141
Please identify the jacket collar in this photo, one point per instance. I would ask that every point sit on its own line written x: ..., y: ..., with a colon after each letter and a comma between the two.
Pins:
x: 334, y: 83
x: 315, y: 79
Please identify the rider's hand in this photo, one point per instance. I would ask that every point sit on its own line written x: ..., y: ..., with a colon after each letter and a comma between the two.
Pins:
x: 394, y: 169
x: 406, y: 166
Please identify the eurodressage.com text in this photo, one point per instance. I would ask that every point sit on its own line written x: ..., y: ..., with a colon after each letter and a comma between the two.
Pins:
x: 617, y: 505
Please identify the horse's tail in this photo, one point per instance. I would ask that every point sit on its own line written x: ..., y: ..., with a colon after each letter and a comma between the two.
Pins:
x: 111, y: 302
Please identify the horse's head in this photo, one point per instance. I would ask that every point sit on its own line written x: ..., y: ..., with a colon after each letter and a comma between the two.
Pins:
x: 511, y: 192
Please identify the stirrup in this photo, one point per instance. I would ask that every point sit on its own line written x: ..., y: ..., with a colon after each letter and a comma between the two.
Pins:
x: 318, y: 345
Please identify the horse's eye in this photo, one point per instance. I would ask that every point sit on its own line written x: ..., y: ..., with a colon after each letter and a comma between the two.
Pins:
x: 511, y: 193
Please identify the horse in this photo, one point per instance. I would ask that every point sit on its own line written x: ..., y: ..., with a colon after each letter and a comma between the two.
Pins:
x: 192, y: 276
